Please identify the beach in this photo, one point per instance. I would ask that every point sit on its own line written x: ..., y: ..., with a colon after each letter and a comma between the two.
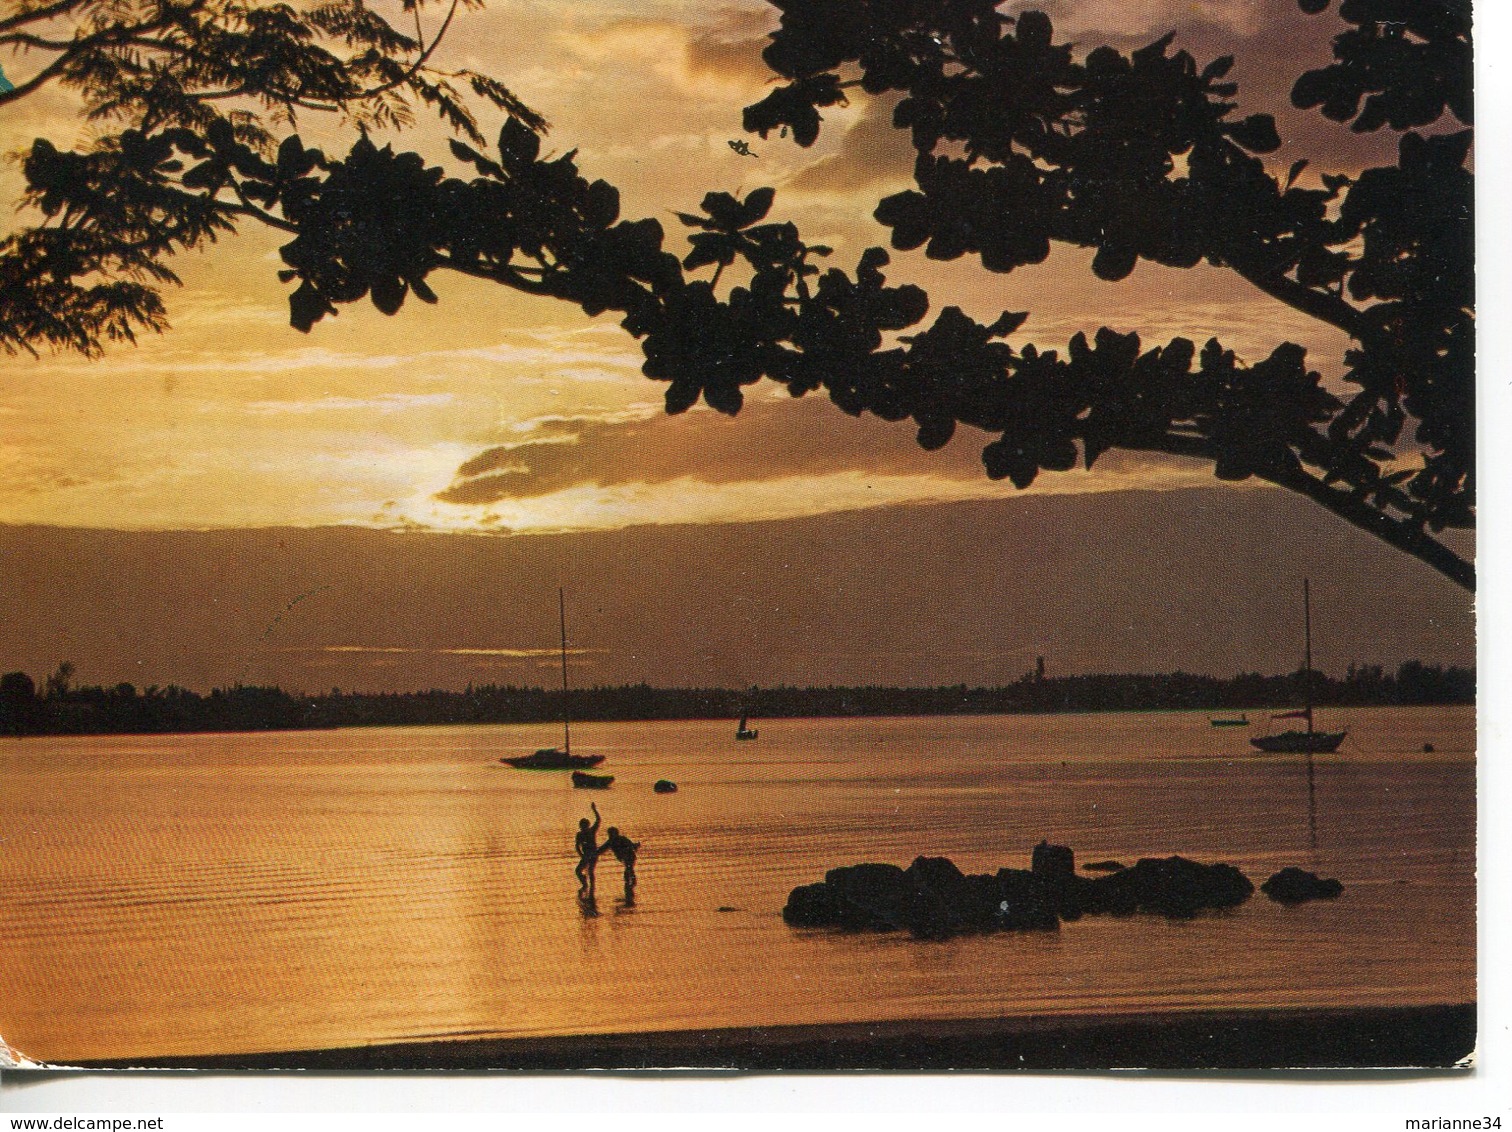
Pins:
x: 1429, y: 1037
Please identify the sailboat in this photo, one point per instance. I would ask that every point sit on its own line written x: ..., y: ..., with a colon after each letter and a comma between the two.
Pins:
x: 1311, y: 741
x: 558, y: 758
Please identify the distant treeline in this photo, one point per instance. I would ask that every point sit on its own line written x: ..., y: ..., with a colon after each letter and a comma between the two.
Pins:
x: 60, y: 708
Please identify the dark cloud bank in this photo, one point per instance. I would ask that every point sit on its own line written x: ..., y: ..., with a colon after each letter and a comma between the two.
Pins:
x: 768, y: 440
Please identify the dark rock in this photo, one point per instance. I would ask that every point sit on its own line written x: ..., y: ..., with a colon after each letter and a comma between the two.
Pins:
x: 947, y: 902
x: 1056, y: 885
x: 1025, y: 902
x: 1170, y: 886
x: 812, y: 906
x: 933, y: 899
x: 1100, y: 897
x: 940, y: 903
x: 1052, y: 860
x: 935, y: 872
x: 665, y: 786
x: 974, y: 903
x: 871, y: 896
x: 928, y: 914
x: 866, y: 876
x: 1102, y: 866
x: 980, y: 905
x: 1297, y: 886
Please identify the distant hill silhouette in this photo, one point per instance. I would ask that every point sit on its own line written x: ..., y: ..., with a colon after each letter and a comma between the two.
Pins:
x: 1201, y: 581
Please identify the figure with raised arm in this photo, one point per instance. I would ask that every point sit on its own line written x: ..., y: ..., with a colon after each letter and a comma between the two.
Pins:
x: 588, y: 850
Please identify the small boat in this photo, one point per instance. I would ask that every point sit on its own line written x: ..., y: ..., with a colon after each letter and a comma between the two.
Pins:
x: 1311, y: 741
x: 744, y: 732
x: 1242, y: 721
x: 553, y: 758
x: 584, y: 781
x: 557, y: 758
x: 1307, y: 742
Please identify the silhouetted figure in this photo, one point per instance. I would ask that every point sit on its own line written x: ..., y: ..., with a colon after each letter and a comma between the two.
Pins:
x: 588, y: 850
x: 624, y: 851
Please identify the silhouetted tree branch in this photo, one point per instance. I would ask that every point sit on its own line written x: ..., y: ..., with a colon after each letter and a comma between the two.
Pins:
x: 1085, y: 153
x: 188, y: 79
x: 1019, y: 145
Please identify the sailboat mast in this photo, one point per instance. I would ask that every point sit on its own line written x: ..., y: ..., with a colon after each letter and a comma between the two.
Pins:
x: 566, y: 715
x: 1307, y: 650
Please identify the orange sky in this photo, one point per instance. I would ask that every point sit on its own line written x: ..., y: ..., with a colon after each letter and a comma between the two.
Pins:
x: 232, y: 419
x: 494, y: 412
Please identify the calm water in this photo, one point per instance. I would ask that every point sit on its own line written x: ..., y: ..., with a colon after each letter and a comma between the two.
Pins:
x: 238, y: 893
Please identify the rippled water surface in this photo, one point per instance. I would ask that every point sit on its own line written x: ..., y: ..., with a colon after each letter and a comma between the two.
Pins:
x: 238, y: 893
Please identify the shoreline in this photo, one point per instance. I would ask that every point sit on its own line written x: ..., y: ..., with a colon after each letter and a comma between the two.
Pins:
x: 179, y: 711
x: 906, y: 712
x: 1437, y: 1037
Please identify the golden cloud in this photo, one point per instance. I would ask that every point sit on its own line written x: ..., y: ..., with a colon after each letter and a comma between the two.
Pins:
x: 719, y: 60
x: 872, y: 156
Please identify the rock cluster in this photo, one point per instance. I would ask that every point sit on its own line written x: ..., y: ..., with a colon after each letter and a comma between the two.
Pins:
x: 933, y: 899
x: 1297, y: 886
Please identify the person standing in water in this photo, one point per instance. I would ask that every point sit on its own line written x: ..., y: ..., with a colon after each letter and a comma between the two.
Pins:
x: 588, y: 850
x: 624, y: 851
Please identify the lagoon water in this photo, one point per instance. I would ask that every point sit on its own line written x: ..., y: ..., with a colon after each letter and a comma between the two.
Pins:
x: 184, y: 895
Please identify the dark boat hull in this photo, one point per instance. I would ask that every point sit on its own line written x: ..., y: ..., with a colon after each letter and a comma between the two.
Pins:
x: 553, y: 759
x: 591, y: 781
x: 1300, y: 742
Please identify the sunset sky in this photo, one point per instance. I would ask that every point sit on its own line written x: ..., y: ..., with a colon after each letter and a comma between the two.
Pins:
x: 494, y: 412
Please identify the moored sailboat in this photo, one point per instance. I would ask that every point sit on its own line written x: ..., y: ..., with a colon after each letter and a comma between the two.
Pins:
x: 1310, y: 741
x: 557, y: 758
x: 552, y: 758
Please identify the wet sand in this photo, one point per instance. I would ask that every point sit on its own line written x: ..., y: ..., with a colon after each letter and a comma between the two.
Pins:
x: 1419, y: 1037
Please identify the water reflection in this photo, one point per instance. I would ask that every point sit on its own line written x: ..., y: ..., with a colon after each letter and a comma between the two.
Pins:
x: 1312, y: 813
x: 187, y: 894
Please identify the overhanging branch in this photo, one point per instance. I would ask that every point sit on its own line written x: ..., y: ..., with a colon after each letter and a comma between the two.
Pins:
x: 1406, y: 536
x: 1399, y: 533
